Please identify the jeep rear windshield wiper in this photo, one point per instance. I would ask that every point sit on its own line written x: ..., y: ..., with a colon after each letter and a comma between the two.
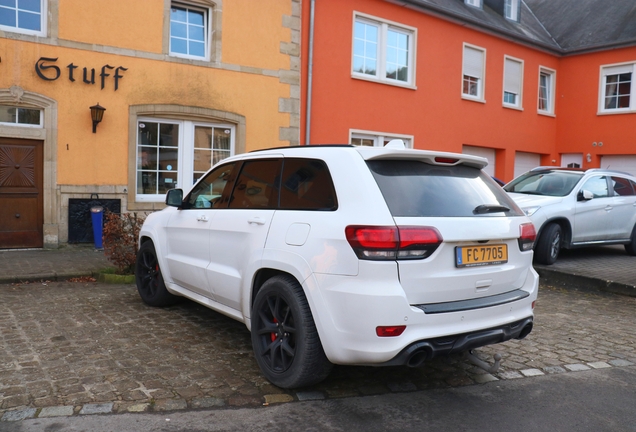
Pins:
x: 490, y: 208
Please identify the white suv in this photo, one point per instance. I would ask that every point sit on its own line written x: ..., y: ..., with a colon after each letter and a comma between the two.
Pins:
x: 572, y: 208
x: 346, y: 255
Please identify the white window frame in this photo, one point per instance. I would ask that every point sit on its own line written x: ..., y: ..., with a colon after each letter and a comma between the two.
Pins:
x: 185, y: 167
x: 26, y: 125
x: 616, y: 69
x: 551, y: 90
x: 513, y: 82
x: 511, y: 10
x: 381, y: 54
x: 43, y: 22
x: 474, y: 3
x: 207, y: 32
x: 471, y: 69
x: 380, y: 138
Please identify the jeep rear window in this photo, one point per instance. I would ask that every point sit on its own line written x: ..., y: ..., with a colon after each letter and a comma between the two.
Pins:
x: 418, y: 189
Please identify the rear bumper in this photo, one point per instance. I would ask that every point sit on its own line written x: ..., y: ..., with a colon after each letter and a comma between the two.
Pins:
x: 420, y: 351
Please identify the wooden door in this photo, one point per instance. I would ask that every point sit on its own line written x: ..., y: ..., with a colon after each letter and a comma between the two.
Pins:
x: 21, y: 196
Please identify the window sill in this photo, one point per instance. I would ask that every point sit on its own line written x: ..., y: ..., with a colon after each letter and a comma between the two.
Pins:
x: 387, y: 82
x: 473, y: 99
x: 613, y: 112
x: 512, y: 107
x: 546, y: 113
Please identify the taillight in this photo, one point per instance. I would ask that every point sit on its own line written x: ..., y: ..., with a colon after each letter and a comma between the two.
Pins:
x: 390, y: 331
x: 390, y: 243
x: 527, y: 236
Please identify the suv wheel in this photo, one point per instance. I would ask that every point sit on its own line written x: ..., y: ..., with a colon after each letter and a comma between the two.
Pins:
x: 549, y: 244
x: 631, y: 246
x: 284, y: 336
x: 150, y: 284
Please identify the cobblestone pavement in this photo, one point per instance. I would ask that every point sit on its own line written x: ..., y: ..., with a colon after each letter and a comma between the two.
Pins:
x: 71, y: 348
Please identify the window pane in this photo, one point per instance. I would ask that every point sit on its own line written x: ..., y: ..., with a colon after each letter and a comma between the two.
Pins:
x: 365, y: 48
x: 29, y: 5
x: 307, y: 185
x: 257, y: 185
x: 178, y: 14
x: 7, y: 17
x: 179, y: 30
x: 168, y: 159
x: 598, y: 186
x: 202, y: 137
x: 178, y: 46
x: 147, y: 133
x: 622, y: 186
x: 28, y: 21
x: 146, y: 182
x: 618, y: 91
x: 7, y: 114
x: 208, y: 192
x: 167, y: 181
x: 195, y: 17
x: 196, y: 49
x: 195, y: 33
x: 222, y: 139
x: 9, y: 3
x: 169, y: 135
x: 147, y: 158
x: 28, y: 116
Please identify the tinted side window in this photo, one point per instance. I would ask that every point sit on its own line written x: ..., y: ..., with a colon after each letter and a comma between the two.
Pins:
x: 257, y: 185
x: 413, y: 188
x: 307, y: 185
x: 212, y: 190
x: 622, y: 186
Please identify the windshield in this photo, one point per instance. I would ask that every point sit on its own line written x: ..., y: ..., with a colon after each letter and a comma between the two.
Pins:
x: 550, y: 183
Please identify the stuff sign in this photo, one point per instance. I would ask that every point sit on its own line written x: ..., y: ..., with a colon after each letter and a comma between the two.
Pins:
x: 46, y: 69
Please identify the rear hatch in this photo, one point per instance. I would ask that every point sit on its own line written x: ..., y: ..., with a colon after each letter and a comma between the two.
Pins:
x: 478, y: 252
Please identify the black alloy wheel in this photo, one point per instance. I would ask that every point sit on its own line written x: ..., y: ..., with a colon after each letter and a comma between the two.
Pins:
x: 149, y: 279
x: 284, y: 336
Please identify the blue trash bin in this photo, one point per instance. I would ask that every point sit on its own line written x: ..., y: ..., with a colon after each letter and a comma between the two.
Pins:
x: 97, y: 215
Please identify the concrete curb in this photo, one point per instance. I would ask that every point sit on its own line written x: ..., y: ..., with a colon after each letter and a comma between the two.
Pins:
x: 39, y: 277
x: 574, y: 281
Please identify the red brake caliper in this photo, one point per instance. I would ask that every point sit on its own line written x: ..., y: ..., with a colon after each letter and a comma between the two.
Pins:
x: 273, y: 335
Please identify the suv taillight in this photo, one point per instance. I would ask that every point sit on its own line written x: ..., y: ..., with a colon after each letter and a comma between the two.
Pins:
x: 390, y: 243
x: 527, y: 236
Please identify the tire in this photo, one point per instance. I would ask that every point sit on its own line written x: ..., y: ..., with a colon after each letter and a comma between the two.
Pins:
x: 549, y: 244
x: 284, y: 336
x: 630, y: 247
x: 149, y: 279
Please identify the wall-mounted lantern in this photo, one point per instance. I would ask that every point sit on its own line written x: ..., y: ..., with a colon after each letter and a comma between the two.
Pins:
x: 97, y: 114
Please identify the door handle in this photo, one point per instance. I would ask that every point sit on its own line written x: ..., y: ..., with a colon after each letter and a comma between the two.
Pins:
x: 256, y: 220
x: 202, y: 218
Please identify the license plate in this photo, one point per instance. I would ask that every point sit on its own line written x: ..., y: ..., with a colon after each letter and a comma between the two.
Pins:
x: 471, y: 256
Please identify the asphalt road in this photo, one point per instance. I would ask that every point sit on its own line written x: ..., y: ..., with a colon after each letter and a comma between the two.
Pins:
x: 593, y: 400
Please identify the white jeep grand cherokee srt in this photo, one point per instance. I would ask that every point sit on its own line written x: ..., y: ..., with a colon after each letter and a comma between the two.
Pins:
x: 346, y: 255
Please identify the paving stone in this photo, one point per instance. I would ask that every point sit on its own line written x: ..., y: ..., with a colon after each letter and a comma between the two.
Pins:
x: 577, y: 367
x: 553, y: 369
x: 56, y: 411
x: 104, y: 408
x: 170, y: 405
x: 599, y: 365
x: 18, y: 415
x: 278, y: 398
x: 620, y: 362
x: 303, y: 396
x: 532, y: 372
x: 207, y: 402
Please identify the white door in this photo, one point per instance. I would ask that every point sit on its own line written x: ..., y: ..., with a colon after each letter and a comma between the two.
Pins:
x: 572, y: 160
x: 484, y: 152
x: 626, y: 163
x: 593, y: 219
x: 239, y: 232
x: 524, y: 162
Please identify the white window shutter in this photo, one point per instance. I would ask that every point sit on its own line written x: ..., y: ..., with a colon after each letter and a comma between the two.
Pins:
x: 512, y: 78
x: 473, y: 62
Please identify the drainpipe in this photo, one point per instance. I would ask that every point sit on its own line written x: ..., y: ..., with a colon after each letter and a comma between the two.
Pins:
x: 310, y: 72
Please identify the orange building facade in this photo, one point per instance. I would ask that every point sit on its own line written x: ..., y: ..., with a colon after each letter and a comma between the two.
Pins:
x: 375, y: 70
x: 184, y: 83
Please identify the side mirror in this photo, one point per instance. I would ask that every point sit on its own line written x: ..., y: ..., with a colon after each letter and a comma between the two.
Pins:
x: 584, y: 195
x: 174, y: 198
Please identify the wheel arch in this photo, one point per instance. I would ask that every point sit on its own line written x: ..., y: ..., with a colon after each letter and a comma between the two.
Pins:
x: 566, y: 229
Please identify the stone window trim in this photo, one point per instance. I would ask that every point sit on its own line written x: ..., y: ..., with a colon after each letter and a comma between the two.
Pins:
x: 215, y: 9
x: 177, y: 112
